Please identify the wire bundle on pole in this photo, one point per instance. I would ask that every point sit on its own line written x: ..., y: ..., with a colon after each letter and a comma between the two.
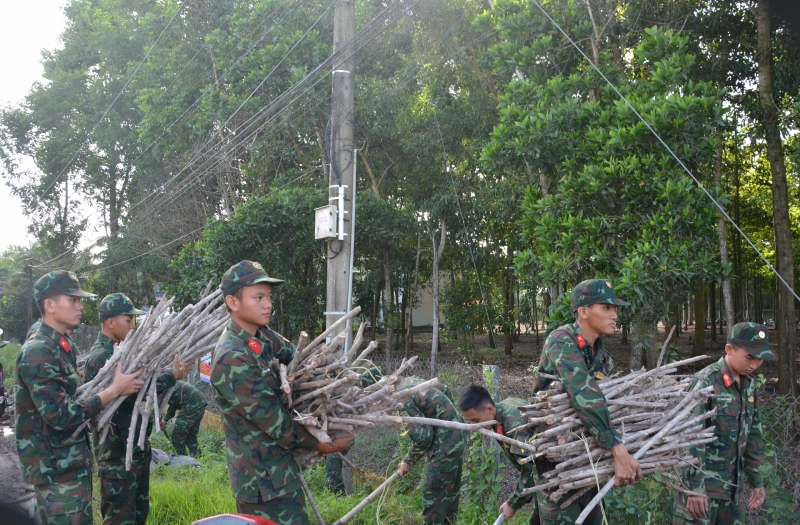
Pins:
x: 651, y: 412
x: 152, y: 346
x: 323, y: 389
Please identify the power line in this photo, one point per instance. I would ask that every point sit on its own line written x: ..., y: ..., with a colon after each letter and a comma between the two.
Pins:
x: 173, y: 241
x: 258, y: 119
x: 672, y: 153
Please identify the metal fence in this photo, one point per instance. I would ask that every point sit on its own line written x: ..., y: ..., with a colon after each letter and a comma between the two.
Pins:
x: 778, y: 415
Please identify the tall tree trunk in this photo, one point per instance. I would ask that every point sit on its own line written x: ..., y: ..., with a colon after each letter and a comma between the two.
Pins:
x: 388, y: 316
x: 642, y: 353
x: 699, y: 344
x: 375, y: 306
x: 438, y: 251
x: 784, y: 263
x: 726, y: 290
x: 410, y: 323
x: 508, y: 299
x: 712, y: 299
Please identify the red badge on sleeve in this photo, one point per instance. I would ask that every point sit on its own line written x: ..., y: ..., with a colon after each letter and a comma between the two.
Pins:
x: 254, y: 345
x: 499, y: 429
x: 581, y: 341
x: 63, y: 343
x: 727, y: 380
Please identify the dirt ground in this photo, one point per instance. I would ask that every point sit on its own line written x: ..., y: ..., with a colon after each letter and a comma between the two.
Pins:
x: 12, y: 486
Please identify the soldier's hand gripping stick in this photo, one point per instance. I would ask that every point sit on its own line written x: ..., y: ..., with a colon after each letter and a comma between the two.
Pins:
x: 366, y: 501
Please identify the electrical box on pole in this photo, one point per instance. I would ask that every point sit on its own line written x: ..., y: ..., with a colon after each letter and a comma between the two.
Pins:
x: 326, y: 222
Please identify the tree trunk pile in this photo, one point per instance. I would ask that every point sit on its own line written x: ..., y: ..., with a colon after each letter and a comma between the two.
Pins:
x: 153, y: 346
x: 651, y: 412
x: 322, y: 387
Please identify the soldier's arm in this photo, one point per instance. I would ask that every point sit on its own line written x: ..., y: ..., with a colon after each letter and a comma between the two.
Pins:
x: 48, y: 392
x: 695, y: 476
x: 754, y: 450
x: 239, y: 377
x: 170, y: 413
x: 284, y: 350
x: 93, y: 365
x: 526, y: 480
x: 421, y: 435
x: 585, y: 395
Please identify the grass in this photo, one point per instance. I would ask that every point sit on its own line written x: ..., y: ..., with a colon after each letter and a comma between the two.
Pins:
x: 8, y: 357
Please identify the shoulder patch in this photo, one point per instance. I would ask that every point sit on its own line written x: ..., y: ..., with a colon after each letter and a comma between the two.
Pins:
x: 254, y: 345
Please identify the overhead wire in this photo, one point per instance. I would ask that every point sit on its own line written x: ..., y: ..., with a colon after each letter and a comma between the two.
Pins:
x: 254, y: 123
x: 671, y: 152
x: 173, y: 241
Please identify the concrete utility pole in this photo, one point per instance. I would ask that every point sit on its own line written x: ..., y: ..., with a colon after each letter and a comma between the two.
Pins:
x: 341, y: 153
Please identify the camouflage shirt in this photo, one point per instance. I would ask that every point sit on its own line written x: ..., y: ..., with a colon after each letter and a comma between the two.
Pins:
x: 509, y: 417
x: 185, y: 398
x: 436, y: 442
x: 738, y: 452
x: 47, y: 411
x: 260, y: 434
x: 568, y: 356
x: 110, y: 454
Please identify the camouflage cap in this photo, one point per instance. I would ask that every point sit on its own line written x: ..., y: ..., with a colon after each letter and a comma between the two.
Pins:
x: 244, y: 273
x: 754, y: 338
x: 116, y: 304
x: 593, y: 291
x: 60, y: 282
x: 371, y: 376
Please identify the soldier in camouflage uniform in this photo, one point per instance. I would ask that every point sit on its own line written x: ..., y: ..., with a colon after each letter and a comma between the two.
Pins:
x: 477, y: 405
x: 443, y: 446
x: 190, y: 405
x: 54, y: 461
x: 576, y: 355
x: 738, y: 451
x: 260, y: 434
x: 334, y: 464
x: 124, y: 494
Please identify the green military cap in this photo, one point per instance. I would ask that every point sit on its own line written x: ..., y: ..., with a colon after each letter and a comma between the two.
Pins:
x: 593, y: 291
x: 60, y: 282
x: 116, y: 304
x: 371, y: 376
x: 754, y: 338
x: 244, y: 273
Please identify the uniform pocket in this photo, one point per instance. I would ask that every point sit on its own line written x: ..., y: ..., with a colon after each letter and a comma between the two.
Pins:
x: 68, y: 452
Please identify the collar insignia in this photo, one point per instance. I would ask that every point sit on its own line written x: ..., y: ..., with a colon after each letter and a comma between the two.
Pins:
x: 254, y: 345
x: 499, y: 429
x: 726, y: 379
x: 581, y: 341
x: 63, y: 343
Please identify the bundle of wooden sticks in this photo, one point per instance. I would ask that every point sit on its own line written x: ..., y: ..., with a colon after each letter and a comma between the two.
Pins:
x: 651, y: 412
x: 152, y: 346
x: 330, y: 391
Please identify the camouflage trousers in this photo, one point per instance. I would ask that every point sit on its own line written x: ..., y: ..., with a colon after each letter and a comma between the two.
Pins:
x: 125, y: 495
x: 333, y: 472
x: 67, y: 503
x: 551, y: 513
x: 184, y: 433
x: 286, y: 509
x: 720, y: 512
x: 441, y: 489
